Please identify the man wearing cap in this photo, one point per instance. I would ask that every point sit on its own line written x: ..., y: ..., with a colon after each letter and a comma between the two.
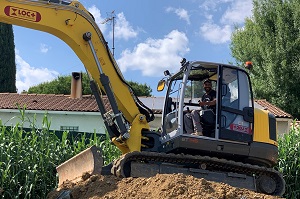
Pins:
x: 192, y: 120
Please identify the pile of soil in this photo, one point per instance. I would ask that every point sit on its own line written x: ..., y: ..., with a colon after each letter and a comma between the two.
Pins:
x: 164, y: 186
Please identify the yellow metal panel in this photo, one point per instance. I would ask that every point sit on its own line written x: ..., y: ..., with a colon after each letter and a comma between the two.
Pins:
x: 261, y: 127
x: 134, y: 142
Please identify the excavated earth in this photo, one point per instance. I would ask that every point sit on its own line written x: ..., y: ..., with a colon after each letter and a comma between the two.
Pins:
x: 164, y: 186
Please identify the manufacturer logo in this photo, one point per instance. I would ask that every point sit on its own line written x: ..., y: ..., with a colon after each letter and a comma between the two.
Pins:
x: 22, y: 13
x: 240, y: 128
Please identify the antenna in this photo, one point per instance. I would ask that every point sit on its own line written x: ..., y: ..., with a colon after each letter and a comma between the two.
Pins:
x: 107, y: 20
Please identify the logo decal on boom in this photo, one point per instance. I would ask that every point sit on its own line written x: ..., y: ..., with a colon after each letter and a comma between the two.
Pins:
x: 22, y: 13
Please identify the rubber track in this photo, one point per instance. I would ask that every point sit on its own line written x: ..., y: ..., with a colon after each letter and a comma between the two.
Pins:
x: 212, y: 164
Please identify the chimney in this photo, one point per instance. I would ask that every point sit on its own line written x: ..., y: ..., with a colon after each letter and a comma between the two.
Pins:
x: 76, y: 85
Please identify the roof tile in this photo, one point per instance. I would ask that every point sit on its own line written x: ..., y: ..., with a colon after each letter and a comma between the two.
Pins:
x: 273, y: 109
x: 48, y: 102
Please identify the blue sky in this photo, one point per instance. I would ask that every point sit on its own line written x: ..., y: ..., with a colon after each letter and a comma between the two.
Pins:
x: 150, y: 36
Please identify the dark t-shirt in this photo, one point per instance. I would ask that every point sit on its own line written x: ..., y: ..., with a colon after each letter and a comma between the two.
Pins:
x: 209, y: 97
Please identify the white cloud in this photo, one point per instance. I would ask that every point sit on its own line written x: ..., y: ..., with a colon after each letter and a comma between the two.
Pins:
x: 237, y: 12
x: 99, y: 20
x: 28, y: 76
x: 220, y: 32
x: 123, y: 29
x: 156, y: 55
x: 44, y: 48
x: 216, y: 34
x: 182, y: 13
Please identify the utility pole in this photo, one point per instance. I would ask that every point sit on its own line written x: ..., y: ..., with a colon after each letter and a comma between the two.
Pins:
x: 111, y: 18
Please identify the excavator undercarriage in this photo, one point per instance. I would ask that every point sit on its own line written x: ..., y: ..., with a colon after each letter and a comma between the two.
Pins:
x: 252, y: 177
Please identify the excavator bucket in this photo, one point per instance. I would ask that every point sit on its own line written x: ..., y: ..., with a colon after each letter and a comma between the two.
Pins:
x: 81, y: 166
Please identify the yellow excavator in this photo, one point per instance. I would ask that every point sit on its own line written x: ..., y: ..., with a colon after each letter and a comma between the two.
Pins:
x: 238, y: 145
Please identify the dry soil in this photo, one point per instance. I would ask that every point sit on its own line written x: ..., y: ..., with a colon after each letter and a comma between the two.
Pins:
x: 164, y: 186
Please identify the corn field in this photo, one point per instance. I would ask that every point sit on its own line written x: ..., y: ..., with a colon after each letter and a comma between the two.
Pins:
x: 289, y: 162
x: 28, y: 158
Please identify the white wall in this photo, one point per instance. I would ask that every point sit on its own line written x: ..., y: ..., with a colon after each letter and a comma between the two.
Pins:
x: 283, y: 125
x: 87, y: 121
x: 156, y: 123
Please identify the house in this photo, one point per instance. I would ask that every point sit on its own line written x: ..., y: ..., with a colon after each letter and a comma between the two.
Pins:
x: 63, y: 111
x: 283, y: 119
x: 81, y: 113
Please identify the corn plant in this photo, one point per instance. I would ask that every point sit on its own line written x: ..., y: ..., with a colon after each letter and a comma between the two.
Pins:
x: 110, y: 151
x: 28, y: 158
x: 289, y: 162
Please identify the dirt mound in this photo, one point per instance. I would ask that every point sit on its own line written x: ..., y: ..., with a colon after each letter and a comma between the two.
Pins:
x: 165, y: 186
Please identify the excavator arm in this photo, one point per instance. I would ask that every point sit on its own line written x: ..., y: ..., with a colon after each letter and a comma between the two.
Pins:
x: 73, y: 24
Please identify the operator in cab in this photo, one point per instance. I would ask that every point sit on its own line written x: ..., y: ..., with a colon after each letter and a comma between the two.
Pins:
x: 192, y: 120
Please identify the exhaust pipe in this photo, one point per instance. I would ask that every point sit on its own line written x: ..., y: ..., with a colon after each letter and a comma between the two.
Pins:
x: 76, y: 85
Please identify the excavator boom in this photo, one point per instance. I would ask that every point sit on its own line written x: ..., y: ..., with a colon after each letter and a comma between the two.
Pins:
x: 70, y: 23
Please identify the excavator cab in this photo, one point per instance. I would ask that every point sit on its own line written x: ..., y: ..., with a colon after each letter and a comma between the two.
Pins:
x: 233, y: 116
x: 229, y: 130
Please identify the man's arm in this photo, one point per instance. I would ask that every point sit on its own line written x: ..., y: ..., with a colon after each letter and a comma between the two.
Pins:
x: 209, y: 103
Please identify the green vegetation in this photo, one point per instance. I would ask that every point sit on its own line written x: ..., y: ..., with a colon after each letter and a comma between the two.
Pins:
x: 62, y: 85
x: 28, y: 159
x: 289, y: 162
x: 140, y: 89
x: 7, y: 59
x: 270, y: 39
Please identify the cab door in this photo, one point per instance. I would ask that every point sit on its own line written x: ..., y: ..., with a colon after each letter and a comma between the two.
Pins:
x: 235, y: 105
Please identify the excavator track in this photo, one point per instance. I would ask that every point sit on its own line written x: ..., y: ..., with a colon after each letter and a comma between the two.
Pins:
x: 146, y: 164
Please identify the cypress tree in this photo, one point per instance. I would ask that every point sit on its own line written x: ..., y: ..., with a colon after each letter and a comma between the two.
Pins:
x: 7, y: 59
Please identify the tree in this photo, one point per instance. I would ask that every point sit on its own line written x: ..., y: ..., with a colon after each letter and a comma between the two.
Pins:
x: 140, y: 89
x: 7, y: 59
x: 271, y: 40
x: 62, y: 85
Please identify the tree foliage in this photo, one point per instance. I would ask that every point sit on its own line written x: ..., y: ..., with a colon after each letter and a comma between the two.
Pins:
x: 140, y: 89
x: 62, y: 85
x: 7, y: 59
x: 271, y: 40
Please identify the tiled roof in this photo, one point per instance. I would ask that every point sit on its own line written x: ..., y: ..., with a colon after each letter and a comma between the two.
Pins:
x: 87, y: 103
x: 273, y: 109
x: 48, y: 102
